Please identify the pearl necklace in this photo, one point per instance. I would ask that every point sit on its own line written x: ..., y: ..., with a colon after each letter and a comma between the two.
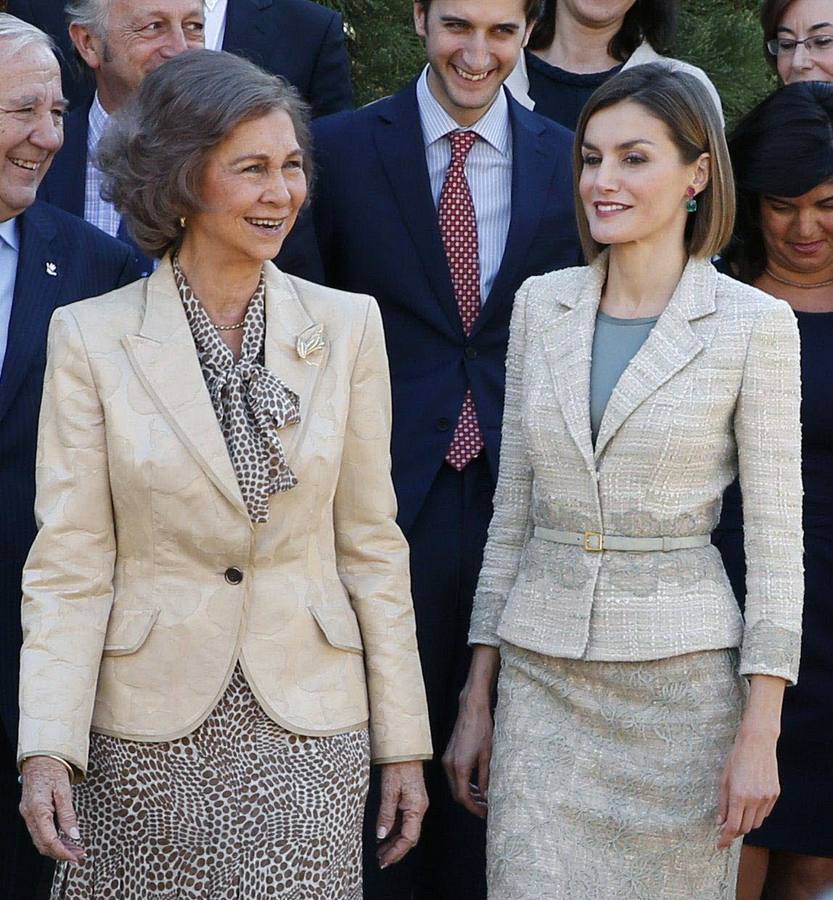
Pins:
x: 234, y: 327
x: 797, y: 284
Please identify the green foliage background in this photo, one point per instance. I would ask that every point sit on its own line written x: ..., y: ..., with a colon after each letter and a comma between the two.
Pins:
x: 723, y: 37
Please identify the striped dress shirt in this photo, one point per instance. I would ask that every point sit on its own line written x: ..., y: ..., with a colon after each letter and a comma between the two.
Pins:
x: 488, y: 172
x: 9, y: 250
x: 97, y: 211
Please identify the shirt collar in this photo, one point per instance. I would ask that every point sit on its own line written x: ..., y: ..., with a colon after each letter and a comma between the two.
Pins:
x: 9, y: 234
x: 209, y: 5
x: 98, y: 119
x: 493, y: 126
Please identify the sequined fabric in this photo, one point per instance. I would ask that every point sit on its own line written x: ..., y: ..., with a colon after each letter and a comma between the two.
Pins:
x: 251, y: 402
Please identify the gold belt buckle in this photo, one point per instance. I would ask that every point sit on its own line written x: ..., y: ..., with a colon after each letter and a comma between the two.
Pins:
x: 593, y: 541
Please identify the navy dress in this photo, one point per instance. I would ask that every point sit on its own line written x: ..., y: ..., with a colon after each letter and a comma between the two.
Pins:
x: 802, y: 820
x: 561, y: 95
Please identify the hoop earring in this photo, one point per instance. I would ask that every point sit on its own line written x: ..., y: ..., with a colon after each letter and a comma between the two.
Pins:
x: 691, y: 203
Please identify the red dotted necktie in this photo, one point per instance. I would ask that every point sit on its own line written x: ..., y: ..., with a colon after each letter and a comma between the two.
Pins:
x: 458, y: 227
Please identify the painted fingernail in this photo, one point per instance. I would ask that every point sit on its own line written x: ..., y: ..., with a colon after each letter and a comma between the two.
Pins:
x: 381, y: 834
x: 75, y: 834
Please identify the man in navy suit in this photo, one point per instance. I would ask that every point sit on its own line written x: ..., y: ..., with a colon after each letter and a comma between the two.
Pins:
x: 394, y: 219
x: 47, y: 258
x: 120, y: 41
x: 299, y: 39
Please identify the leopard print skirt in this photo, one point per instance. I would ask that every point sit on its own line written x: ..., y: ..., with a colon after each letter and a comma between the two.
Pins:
x: 238, y: 810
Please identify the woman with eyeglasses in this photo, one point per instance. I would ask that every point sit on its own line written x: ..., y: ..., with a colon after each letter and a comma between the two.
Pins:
x: 798, y: 39
x: 782, y: 155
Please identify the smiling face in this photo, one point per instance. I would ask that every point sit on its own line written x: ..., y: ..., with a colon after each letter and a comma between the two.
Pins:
x: 140, y: 36
x: 595, y: 13
x: 31, y: 124
x: 252, y: 188
x: 803, y: 19
x: 798, y: 234
x: 633, y: 181
x: 472, y: 46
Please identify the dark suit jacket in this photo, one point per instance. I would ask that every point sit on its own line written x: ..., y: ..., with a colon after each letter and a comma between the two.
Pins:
x: 87, y: 263
x: 64, y: 184
x: 301, y: 40
x: 377, y: 232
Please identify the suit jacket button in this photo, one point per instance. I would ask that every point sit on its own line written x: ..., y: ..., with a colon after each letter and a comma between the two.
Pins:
x: 443, y: 424
x: 471, y: 352
x: 234, y: 575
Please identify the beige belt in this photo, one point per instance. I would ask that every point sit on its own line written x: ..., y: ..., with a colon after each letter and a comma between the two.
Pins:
x: 596, y: 542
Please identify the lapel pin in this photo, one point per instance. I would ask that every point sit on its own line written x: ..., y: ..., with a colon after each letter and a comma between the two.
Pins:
x: 52, y: 269
x: 311, y: 340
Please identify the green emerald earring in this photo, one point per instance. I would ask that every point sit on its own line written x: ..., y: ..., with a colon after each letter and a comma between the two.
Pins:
x: 691, y: 203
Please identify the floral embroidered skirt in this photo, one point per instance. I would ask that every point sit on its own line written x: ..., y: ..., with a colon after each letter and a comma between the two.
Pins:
x: 238, y: 810
x: 605, y: 778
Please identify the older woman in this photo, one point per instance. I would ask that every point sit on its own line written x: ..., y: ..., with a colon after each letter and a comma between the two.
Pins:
x: 218, y: 590
x: 798, y: 39
x: 630, y: 751
x: 782, y: 153
x: 578, y: 45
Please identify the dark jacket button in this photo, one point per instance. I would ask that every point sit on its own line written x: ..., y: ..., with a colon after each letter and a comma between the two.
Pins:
x: 233, y: 575
x: 443, y: 424
x: 471, y: 352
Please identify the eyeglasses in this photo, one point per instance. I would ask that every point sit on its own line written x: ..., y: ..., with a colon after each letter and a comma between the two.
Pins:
x: 816, y: 44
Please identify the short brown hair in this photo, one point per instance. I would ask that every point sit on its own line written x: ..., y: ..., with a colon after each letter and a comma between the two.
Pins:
x: 680, y: 101
x: 154, y: 151
x: 532, y: 8
x: 772, y: 11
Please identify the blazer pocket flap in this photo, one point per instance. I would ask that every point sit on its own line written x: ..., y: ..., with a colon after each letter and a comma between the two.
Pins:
x: 340, y: 628
x: 128, y: 629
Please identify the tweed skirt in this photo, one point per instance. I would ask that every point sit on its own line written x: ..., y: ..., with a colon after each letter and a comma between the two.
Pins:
x: 238, y: 810
x: 605, y: 777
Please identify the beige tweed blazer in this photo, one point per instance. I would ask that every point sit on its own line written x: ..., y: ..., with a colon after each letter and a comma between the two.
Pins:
x: 715, y: 390
x: 131, y: 626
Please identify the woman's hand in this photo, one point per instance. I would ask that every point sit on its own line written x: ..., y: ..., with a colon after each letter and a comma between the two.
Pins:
x: 470, y: 746
x: 403, y: 807
x: 470, y: 749
x: 47, y: 797
x: 749, y: 785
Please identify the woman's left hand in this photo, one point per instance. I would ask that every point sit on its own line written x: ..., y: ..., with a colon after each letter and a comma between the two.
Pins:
x: 749, y: 786
x: 403, y: 806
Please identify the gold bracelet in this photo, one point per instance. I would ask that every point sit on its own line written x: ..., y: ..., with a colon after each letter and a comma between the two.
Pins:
x: 63, y: 762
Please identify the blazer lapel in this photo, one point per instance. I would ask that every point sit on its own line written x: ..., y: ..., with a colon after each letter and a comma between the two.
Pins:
x: 568, y: 345
x: 286, y: 319
x: 36, y: 294
x: 165, y: 359
x: 399, y: 141
x: 671, y: 346
x: 532, y: 171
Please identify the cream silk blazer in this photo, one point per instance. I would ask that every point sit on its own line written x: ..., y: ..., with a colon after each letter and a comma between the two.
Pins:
x: 131, y: 627
x: 714, y: 390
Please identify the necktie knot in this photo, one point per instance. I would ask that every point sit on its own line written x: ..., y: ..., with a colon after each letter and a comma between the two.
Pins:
x: 461, y: 144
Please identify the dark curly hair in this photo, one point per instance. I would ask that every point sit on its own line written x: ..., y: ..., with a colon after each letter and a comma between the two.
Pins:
x: 532, y: 8
x: 154, y: 152
x: 783, y: 148
x: 654, y: 21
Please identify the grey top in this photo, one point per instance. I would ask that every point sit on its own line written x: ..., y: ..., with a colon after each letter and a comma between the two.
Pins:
x: 615, y: 343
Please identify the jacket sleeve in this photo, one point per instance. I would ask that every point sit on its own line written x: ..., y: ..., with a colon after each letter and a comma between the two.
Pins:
x: 511, y: 522
x: 768, y: 435
x: 372, y: 559
x: 331, y: 87
x: 68, y: 577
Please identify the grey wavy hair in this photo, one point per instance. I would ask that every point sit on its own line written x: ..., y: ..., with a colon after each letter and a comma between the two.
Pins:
x: 155, y: 150
x: 15, y: 34
x: 89, y: 14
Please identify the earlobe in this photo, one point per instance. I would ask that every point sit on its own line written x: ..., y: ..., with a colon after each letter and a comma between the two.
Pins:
x: 84, y: 44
